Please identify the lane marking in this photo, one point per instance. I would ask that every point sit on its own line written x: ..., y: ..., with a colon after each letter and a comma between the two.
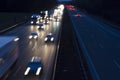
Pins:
x: 116, y: 63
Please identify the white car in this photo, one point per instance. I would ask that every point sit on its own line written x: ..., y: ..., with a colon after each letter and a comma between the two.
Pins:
x: 49, y: 38
x: 34, y: 66
x: 33, y: 35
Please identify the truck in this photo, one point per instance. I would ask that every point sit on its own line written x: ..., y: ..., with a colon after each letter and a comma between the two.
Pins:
x: 8, y: 53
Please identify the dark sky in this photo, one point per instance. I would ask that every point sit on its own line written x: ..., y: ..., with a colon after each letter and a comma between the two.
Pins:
x: 108, y: 9
x: 25, y: 5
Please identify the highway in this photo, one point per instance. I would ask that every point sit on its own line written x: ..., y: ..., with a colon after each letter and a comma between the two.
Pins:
x: 29, y: 48
x: 100, y: 44
x: 98, y: 41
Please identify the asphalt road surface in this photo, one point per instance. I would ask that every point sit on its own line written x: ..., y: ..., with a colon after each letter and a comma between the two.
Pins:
x: 100, y: 44
x: 29, y: 48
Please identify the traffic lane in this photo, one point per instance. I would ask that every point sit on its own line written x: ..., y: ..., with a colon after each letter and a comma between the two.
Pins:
x: 104, y: 44
x: 23, y: 48
x: 22, y: 42
x: 28, y: 52
x: 48, y: 54
x: 99, y: 42
x: 50, y: 62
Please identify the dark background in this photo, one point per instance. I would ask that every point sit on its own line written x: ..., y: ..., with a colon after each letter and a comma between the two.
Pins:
x: 25, y: 5
x: 107, y: 9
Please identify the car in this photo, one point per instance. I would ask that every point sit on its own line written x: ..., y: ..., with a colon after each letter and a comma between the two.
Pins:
x: 34, y: 67
x: 41, y: 26
x: 49, y: 38
x: 49, y: 17
x: 56, y: 19
x: 46, y: 21
x: 33, y: 35
x: 42, y: 14
x: 35, y: 19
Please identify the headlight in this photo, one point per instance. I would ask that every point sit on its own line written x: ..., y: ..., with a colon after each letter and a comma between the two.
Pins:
x: 30, y: 37
x: 31, y: 16
x: 35, y: 37
x: 31, y: 22
x: 42, y: 27
x: 50, y: 18
x: 38, y: 71
x: 41, y: 20
x: 27, y: 71
x: 16, y: 39
x: 46, y: 39
x: 38, y: 27
x: 37, y: 22
x: 52, y: 39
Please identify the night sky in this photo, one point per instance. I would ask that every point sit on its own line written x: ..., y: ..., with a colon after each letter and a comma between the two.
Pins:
x: 108, y: 9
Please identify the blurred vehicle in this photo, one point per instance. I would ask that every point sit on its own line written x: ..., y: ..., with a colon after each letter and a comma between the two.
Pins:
x: 49, y: 38
x: 42, y: 14
x: 8, y: 54
x: 46, y: 21
x: 34, y: 67
x: 35, y: 18
x: 33, y: 35
x: 49, y: 17
x: 41, y: 26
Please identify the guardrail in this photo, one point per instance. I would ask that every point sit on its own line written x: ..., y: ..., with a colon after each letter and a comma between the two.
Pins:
x: 6, y: 29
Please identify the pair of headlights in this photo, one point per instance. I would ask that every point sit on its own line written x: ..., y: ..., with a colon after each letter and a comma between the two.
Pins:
x: 33, y: 22
x: 35, y: 37
x: 52, y: 39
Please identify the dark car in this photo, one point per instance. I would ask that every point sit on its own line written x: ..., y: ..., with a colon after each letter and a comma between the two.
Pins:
x: 41, y: 26
x: 34, y: 67
x: 35, y: 19
x: 33, y: 35
x: 49, y: 38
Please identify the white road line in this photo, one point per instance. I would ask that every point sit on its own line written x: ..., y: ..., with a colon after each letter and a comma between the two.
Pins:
x: 116, y: 63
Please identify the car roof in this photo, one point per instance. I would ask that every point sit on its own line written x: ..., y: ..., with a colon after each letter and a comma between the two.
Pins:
x: 49, y: 35
x: 34, y: 33
x: 34, y: 65
x: 35, y: 61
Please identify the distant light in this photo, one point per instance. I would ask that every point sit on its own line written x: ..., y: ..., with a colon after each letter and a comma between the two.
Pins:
x: 16, y: 39
x: 77, y: 15
x: 70, y: 7
x: 61, y: 7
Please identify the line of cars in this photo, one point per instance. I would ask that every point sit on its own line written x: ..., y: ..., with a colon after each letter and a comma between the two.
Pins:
x: 40, y: 21
x: 35, y: 65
